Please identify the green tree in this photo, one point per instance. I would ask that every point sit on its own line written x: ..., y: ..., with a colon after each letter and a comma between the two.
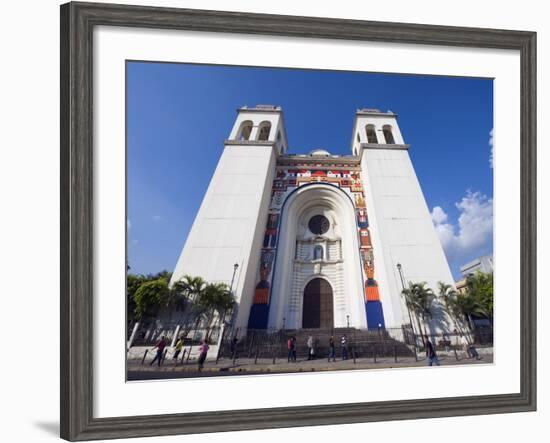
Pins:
x: 188, y: 292
x: 479, y: 287
x: 162, y: 274
x: 133, y: 282
x: 191, y: 286
x: 220, y: 299
x: 419, y: 299
x: 448, y: 297
x: 150, y: 297
x: 195, y: 298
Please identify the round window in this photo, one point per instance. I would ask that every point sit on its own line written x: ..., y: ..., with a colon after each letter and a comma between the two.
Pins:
x: 318, y: 224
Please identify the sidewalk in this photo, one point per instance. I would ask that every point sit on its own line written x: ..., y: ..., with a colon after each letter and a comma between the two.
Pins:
x: 247, y: 366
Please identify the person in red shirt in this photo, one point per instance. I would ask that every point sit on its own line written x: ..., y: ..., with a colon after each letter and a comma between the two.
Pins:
x: 161, y: 344
x: 203, y: 350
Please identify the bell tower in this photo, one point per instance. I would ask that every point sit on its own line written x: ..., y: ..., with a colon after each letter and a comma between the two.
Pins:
x: 399, y: 218
x: 373, y: 127
x: 260, y: 125
x: 229, y: 226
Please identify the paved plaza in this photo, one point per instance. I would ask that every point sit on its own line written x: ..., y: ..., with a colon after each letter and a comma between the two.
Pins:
x: 249, y: 366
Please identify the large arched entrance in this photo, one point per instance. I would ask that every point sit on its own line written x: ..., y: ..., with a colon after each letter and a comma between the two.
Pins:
x: 306, y: 249
x: 318, y: 307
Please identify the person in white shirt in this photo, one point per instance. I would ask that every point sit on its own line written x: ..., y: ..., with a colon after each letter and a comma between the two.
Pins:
x: 344, y: 343
x: 310, y: 350
x: 465, y: 345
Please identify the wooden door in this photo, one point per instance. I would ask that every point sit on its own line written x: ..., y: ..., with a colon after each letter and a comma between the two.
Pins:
x: 318, y: 307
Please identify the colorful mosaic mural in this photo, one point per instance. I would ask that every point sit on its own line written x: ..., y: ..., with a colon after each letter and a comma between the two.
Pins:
x: 347, y: 178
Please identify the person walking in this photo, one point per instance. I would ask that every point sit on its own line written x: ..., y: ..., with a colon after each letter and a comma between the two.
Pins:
x: 203, y: 350
x: 446, y: 341
x: 472, y: 351
x: 310, y: 350
x: 344, y: 345
x: 331, y: 353
x: 234, y: 346
x: 430, y: 353
x: 159, y: 346
x: 177, y: 350
x: 290, y: 346
x: 465, y: 345
x: 294, y: 349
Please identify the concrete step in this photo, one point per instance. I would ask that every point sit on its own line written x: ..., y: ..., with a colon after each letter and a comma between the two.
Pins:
x: 360, y: 341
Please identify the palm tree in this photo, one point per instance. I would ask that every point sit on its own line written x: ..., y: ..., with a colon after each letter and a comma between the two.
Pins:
x: 419, y: 299
x: 410, y: 301
x: 215, y: 302
x: 191, y: 289
x: 193, y: 286
x: 468, y: 306
x: 224, y: 302
x: 448, y: 296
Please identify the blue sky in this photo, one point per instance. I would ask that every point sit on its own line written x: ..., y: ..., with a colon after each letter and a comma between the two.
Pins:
x: 178, y: 116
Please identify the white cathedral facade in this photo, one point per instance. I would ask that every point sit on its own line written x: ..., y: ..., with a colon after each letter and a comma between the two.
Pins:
x: 317, y: 238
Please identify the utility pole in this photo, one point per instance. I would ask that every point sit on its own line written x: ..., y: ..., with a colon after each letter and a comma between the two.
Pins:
x: 399, y: 268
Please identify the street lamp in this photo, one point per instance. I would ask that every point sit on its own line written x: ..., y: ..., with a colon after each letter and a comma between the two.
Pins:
x: 399, y: 267
x: 347, y: 318
x: 223, y: 321
x: 235, y: 267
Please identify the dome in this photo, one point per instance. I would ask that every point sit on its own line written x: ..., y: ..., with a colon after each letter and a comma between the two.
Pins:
x: 320, y: 152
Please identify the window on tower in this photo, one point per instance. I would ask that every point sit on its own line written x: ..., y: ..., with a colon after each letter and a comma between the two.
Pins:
x: 246, y: 130
x: 388, y: 135
x: 318, y: 252
x: 265, y: 128
x: 371, y: 134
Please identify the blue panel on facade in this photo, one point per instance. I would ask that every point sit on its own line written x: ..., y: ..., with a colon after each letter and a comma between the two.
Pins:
x: 258, y: 316
x: 375, y: 314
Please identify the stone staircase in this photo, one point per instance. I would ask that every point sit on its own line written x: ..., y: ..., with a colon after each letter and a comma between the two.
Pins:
x: 365, y: 343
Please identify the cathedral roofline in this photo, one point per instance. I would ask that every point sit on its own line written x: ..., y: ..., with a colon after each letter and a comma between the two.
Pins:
x: 261, y: 108
x: 249, y: 142
x: 301, y: 159
x: 376, y: 112
x: 395, y: 147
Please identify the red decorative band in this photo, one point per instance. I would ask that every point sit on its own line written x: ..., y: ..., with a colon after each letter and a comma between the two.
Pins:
x: 372, y: 293
x: 261, y: 295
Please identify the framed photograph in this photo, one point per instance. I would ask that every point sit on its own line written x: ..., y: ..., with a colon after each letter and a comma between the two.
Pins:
x: 256, y: 205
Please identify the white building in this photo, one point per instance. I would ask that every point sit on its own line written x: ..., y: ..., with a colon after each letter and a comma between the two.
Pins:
x: 317, y: 237
x: 482, y: 264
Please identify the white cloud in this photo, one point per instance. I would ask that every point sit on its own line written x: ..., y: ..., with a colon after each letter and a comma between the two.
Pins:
x: 157, y: 217
x: 491, y: 144
x: 438, y: 215
x: 474, y: 229
x: 128, y: 224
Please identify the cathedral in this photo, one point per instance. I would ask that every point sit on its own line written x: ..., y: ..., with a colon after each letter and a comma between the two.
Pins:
x: 315, y: 240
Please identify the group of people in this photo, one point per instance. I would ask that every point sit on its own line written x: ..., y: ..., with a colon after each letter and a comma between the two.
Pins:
x: 161, y: 345
x: 291, y: 345
x: 431, y: 356
x: 343, y: 347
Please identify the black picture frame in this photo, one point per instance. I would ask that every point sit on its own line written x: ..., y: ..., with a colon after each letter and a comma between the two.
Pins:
x: 77, y: 23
